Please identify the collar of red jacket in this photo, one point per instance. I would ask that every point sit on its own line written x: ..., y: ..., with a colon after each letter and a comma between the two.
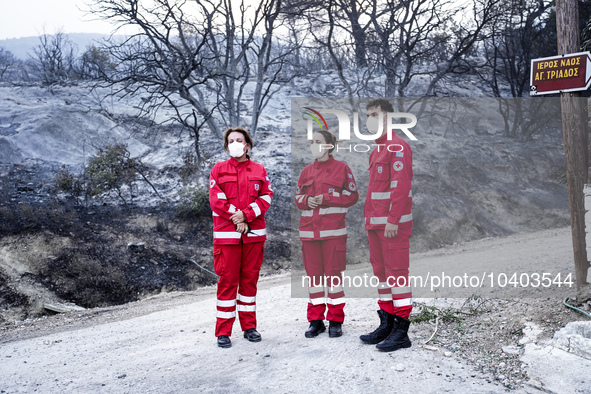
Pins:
x: 383, y: 138
x: 237, y: 163
x: 323, y: 163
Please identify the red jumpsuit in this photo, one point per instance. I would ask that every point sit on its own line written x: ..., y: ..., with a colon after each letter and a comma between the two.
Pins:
x: 324, y: 234
x: 234, y: 186
x: 389, y: 199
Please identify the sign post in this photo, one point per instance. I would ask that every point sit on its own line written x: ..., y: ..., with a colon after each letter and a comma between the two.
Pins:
x: 574, y: 131
x: 560, y: 74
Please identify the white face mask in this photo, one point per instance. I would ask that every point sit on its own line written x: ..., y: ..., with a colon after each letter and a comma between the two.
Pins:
x: 316, y: 151
x: 375, y: 125
x: 236, y: 149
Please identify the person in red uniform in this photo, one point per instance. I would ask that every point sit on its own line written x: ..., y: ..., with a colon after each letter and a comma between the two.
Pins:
x: 388, y: 221
x: 239, y: 195
x: 326, y: 188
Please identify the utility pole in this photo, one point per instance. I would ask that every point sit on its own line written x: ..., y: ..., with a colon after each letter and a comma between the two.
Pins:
x: 574, y: 136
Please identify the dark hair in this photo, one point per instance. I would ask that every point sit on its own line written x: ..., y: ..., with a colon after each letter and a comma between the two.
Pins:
x: 384, y: 105
x: 245, y: 133
x: 329, y: 138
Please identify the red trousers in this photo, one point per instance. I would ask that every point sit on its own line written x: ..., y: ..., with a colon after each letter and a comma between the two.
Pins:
x: 389, y: 259
x: 238, y: 267
x: 323, y: 260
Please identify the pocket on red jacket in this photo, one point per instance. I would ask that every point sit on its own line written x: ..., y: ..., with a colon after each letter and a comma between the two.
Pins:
x: 229, y: 186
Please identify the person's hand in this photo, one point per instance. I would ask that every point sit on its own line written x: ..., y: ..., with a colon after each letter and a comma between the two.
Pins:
x: 318, y: 199
x: 312, y: 202
x: 242, y: 227
x: 238, y: 217
x: 391, y: 230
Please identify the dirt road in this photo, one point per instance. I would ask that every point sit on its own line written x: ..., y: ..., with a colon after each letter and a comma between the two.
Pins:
x: 166, y: 344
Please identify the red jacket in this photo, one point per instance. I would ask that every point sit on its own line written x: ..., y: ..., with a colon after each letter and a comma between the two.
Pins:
x: 334, y: 180
x: 243, y: 186
x: 389, y: 194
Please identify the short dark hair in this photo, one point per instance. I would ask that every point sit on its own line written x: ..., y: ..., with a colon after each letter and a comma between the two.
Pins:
x: 329, y: 137
x: 245, y: 133
x: 384, y: 105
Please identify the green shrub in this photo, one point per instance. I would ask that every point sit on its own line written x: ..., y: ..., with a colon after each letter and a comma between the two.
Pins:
x: 67, y: 182
x: 194, y: 202
x: 109, y: 170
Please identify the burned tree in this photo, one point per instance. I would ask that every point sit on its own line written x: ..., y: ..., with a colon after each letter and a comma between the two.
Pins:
x: 54, y: 59
x: 197, y: 58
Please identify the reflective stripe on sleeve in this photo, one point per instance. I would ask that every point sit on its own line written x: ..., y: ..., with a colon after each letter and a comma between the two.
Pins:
x: 380, y: 196
x: 406, y: 218
x: 247, y: 308
x: 266, y: 198
x: 300, y: 197
x: 232, y: 208
x: 346, y: 193
x: 255, y: 208
x: 222, y: 196
x: 329, y: 210
x: 257, y: 233
x: 332, y: 233
x: 410, y: 193
x: 227, y: 234
x: 306, y: 234
x: 226, y: 303
x: 246, y: 298
x: 402, y: 302
x: 214, y: 214
x: 308, y: 213
x: 384, y: 220
x: 226, y: 315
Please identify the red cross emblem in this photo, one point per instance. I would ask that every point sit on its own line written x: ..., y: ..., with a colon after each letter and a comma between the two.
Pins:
x: 398, y: 166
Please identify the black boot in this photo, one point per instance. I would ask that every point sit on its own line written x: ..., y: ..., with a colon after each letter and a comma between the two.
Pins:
x: 316, y: 327
x: 334, y: 329
x: 380, y: 333
x: 398, y: 338
x: 252, y: 335
x: 224, y: 341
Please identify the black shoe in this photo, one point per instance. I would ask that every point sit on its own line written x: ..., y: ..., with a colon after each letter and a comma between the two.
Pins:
x: 380, y: 333
x: 334, y: 329
x: 398, y: 338
x: 224, y: 341
x: 252, y: 335
x: 316, y: 327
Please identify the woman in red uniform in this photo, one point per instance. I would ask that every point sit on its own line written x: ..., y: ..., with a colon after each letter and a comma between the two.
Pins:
x: 239, y: 194
x: 326, y: 188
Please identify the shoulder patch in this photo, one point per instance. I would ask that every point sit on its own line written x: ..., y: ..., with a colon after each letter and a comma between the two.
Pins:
x: 399, y: 154
x: 398, y: 166
x: 352, y: 186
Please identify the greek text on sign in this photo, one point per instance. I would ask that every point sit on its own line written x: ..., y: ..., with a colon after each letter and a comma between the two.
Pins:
x: 564, y: 73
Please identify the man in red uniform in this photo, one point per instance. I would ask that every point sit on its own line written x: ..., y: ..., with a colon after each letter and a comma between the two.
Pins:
x: 388, y: 221
x: 239, y: 195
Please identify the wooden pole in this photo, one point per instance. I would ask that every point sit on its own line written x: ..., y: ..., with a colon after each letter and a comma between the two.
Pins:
x: 574, y: 137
